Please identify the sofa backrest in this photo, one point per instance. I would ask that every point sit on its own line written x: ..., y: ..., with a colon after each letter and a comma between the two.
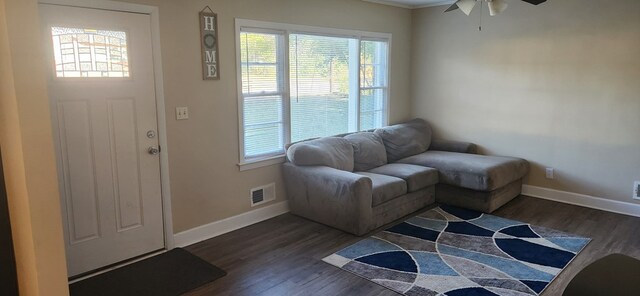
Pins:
x: 405, y: 139
x: 333, y: 152
x: 368, y: 151
x: 361, y: 151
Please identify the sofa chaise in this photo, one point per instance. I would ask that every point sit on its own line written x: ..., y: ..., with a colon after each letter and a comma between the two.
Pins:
x: 358, y: 182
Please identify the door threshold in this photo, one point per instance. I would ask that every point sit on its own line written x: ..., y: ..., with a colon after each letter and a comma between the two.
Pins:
x: 90, y: 274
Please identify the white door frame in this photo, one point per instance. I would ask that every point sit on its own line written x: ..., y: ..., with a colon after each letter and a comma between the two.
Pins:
x: 153, y: 12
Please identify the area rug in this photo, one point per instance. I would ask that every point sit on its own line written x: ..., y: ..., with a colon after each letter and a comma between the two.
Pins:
x: 169, y: 274
x: 451, y: 251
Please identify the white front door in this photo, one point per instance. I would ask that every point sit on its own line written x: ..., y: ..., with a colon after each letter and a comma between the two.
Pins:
x: 104, y: 116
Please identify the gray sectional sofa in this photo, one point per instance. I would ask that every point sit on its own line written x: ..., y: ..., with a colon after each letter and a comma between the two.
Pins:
x: 361, y: 181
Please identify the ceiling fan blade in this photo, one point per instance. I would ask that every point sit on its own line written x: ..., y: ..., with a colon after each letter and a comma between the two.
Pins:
x: 535, y: 2
x: 452, y: 7
x: 466, y: 5
x: 496, y: 6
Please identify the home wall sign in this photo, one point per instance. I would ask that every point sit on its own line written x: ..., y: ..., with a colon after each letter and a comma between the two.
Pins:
x: 209, y: 44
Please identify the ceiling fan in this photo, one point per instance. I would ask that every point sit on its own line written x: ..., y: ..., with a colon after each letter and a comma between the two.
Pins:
x: 495, y: 6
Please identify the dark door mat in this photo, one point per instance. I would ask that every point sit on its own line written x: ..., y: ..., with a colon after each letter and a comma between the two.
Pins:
x: 169, y: 274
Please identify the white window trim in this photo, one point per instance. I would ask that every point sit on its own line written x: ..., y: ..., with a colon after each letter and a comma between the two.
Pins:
x: 283, y: 91
x: 287, y: 29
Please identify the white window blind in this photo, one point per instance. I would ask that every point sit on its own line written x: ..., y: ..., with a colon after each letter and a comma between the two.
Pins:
x: 321, y: 85
x: 262, y: 94
x: 297, y: 86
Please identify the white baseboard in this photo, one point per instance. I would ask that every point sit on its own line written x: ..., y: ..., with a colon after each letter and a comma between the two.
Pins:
x: 204, y: 232
x: 221, y: 227
x: 588, y: 201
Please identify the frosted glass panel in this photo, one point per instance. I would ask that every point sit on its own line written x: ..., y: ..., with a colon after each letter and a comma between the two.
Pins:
x: 90, y: 53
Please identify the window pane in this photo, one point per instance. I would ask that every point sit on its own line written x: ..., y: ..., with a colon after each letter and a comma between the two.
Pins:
x: 336, y: 85
x: 372, y: 108
x: 259, y: 54
x: 320, y: 85
x: 318, y: 116
x: 90, y: 53
x: 373, y: 83
x: 263, y: 140
x: 263, y: 126
x: 373, y: 64
x: 261, y: 110
x: 262, y: 73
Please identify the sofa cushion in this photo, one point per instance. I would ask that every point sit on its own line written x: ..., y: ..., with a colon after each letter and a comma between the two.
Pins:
x: 385, y: 188
x: 406, y: 139
x: 368, y: 151
x: 329, y: 151
x: 472, y: 171
x: 417, y: 177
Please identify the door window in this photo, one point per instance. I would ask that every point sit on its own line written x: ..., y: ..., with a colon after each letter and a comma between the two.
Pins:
x: 90, y: 53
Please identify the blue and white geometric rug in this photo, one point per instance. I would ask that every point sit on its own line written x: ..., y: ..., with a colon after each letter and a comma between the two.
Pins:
x: 451, y: 251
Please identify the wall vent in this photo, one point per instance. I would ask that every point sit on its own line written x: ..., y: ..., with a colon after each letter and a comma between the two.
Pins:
x: 636, y: 190
x: 263, y: 194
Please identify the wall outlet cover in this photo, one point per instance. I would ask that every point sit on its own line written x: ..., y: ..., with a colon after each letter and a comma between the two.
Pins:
x: 550, y: 173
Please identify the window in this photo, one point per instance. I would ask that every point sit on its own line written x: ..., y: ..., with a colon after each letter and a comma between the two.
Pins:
x: 320, y: 85
x: 373, y: 84
x: 262, y: 94
x: 90, y: 53
x: 299, y: 82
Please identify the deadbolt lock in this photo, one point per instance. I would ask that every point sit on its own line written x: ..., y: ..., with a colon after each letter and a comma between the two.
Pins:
x: 153, y: 150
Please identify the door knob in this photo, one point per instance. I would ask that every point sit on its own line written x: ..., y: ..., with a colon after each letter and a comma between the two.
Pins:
x: 153, y: 150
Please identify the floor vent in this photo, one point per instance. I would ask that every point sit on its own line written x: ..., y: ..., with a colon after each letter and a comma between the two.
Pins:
x: 263, y: 194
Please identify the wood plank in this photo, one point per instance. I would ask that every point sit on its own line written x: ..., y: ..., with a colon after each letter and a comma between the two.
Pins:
x: 282, y: 256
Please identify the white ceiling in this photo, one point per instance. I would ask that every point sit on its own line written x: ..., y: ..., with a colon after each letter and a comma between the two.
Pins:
x: 412, y: 3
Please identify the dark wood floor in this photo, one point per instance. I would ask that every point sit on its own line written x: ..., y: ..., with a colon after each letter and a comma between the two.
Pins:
x: 282, y: 256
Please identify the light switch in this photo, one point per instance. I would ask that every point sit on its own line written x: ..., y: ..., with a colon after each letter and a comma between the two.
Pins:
x: 182, y: 113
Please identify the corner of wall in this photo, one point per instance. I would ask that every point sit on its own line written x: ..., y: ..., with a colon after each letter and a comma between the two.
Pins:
x: 27, y: 144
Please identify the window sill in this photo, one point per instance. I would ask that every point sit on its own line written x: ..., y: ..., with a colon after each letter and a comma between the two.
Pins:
x: 250, y: 165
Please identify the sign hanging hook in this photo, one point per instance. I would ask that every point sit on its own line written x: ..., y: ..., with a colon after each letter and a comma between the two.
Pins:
x: 207, y: 7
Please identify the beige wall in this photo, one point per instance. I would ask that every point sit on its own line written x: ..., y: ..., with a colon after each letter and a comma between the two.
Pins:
x: 206, y: 184
x: 557, y: 84
x: 27, y: 153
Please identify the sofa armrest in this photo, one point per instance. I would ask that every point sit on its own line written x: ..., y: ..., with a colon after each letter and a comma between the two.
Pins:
x: 330, y: 196
x: 454, y: 146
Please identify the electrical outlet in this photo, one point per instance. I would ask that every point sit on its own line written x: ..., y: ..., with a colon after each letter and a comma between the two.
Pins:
x: 550, y: 173
x: 182, y: 113
x: 636, y: 190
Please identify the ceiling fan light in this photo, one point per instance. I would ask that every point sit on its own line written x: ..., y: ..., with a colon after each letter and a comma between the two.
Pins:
x: 535, y: 2
x: 496, y: 6
x: 466, y: 5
